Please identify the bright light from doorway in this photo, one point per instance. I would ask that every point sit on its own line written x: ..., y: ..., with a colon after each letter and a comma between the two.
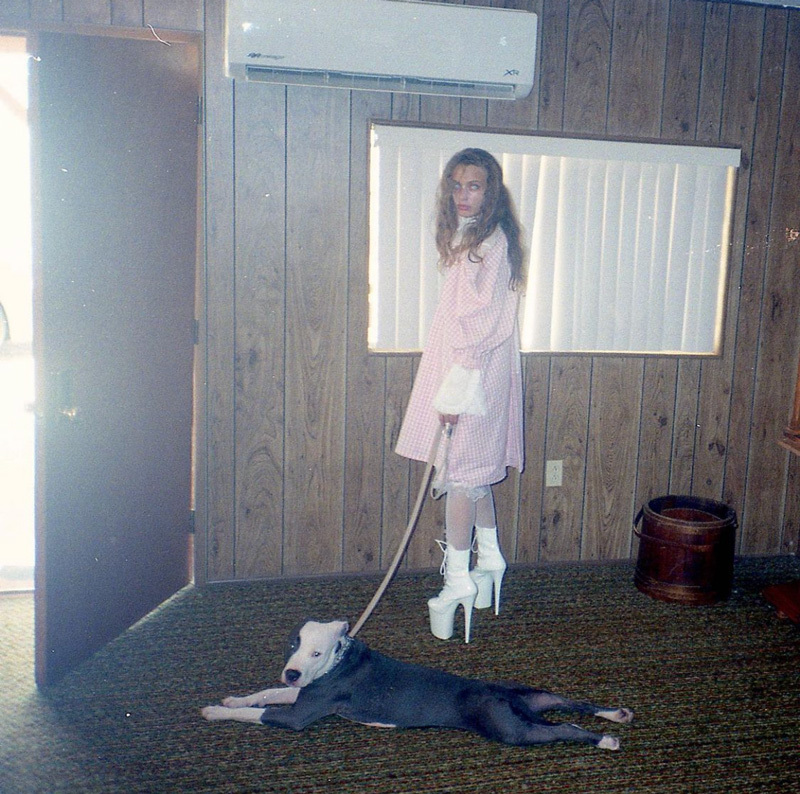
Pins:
x: 16, y: 361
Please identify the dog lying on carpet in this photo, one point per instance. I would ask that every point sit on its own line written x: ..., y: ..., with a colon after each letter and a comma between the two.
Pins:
x: 327, y: 672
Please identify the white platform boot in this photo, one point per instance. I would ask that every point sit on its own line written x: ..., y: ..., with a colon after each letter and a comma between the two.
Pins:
x: 490, y: 569
x: 458, y: 589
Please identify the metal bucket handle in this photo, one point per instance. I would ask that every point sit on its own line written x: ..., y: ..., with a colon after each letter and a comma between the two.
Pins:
x: 675, y: 543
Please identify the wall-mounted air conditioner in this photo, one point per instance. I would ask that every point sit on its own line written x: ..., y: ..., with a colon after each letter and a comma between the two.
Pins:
x: 383, y: 45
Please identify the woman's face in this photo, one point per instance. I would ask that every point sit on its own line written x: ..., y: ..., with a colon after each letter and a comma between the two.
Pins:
x: 468, y: 185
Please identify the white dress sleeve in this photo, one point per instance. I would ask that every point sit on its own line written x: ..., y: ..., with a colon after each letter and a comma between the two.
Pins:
x: 461, y: 392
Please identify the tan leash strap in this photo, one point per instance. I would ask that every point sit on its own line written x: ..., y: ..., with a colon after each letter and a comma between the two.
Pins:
x: 445, y: 432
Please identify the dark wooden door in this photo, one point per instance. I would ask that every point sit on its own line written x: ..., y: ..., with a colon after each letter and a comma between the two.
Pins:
x: 115, y: 193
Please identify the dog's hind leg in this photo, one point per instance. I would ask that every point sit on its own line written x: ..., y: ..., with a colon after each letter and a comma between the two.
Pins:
x: 566, y: 732
x: 539, y: 700
x: 547, y: 733
x: 511, y: 721
x: 615, y: 715
x: 573, y: 733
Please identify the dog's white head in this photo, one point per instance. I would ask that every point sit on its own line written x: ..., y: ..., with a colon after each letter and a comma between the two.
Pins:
x: 313, y: 650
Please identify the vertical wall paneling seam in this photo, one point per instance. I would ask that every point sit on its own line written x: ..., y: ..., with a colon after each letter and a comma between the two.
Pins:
x: 676, y: 414
x: 724, y: 73
x: 725, y: 352
x: 515, y: 514
x: 347, y: 332
x: 581, y: 510
x: 200, y: 403
x: 676, y: 364
x: 384, y: 450
x: 515, y: 522
x: 544, y: 20
x: 635, y: 495
x: 201, y: 456
x: 234, y: 213
x: 764, y: 266
x: 666, y: 70
x: 784, y: 542
x: 586, y: 446
x: 743, y: 255
x: 786, y: 52
x: 636, y: 483
x: 388, y: 450
x: 610, y: 65
x: 515, y: 529
x: 675, y: 423
x: 545, y: 452
x: 703, y: 364
x: 282, y: 566
x: 700, y: 74
x: 565, y: 64
x: 528, y: 463
x: 791, y: 461
x: 787, y: 456
x: 696, y: 426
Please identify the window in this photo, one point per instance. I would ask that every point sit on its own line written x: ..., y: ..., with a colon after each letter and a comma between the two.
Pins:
x: 791, y: 435
x: 627, y: 241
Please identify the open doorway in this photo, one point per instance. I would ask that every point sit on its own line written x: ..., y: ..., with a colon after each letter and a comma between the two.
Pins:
x: 16, y: 359
x: 104, y: 235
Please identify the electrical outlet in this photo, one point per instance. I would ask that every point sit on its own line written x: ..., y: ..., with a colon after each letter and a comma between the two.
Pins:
x: 553, y: 473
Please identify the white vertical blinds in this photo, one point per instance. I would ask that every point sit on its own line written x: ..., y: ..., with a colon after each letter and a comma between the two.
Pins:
x: 627, y: 241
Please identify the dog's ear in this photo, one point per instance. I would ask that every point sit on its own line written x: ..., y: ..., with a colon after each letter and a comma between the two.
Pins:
x: 293, y: 641
x: 345, y: 627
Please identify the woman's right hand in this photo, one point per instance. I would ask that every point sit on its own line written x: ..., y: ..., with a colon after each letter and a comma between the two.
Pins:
x: 448, y: 419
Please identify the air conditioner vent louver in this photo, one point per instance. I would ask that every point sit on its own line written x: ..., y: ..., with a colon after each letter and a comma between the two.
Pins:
x: 383, y: 45
x: 371, y: 82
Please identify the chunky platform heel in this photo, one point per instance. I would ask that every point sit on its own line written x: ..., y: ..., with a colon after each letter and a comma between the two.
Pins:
x: 458, y: 589
x: 491, y: 568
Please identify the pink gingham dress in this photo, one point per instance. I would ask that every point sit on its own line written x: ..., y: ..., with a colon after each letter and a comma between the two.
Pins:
x: 475, y: 325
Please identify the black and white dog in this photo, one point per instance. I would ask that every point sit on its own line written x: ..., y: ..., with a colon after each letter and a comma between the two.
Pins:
x: 328, y: 672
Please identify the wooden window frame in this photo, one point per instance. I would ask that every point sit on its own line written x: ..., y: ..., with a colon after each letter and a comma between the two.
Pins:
x: 791, y: 435
x: 608, y: 273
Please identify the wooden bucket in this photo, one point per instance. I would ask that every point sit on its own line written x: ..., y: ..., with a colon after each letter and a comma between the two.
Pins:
x: 686, y: 549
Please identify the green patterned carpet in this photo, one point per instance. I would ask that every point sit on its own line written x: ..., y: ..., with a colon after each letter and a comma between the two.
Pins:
x: 716, y: 691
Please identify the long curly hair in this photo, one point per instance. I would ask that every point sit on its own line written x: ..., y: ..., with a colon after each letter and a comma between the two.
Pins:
x: 497, y: 210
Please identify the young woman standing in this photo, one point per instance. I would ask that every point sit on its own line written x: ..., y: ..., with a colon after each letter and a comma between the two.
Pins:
x: 470, y: 377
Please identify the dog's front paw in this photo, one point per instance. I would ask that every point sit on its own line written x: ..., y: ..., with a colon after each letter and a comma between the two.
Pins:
x: 213, y: 713
x: 237, y: 703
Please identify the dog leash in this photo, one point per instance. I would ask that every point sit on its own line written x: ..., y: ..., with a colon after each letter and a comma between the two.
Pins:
x: 445, y: 433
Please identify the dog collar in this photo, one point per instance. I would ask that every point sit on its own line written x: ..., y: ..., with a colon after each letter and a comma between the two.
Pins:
x: 346, y: 642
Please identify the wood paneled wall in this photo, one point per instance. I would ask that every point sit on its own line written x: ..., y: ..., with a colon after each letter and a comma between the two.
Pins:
x: 296, y: 472
x: 22, y: 15
x: 302, y: 420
